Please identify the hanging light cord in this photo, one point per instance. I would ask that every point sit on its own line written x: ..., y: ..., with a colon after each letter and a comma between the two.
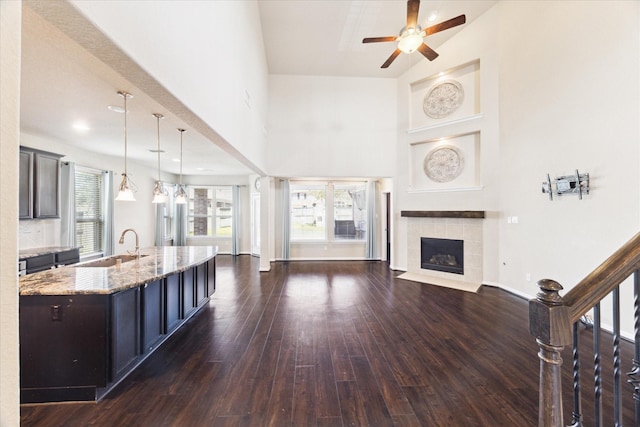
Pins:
x: 158, y: 117
x: 181, y: 132
x: 124, y: 95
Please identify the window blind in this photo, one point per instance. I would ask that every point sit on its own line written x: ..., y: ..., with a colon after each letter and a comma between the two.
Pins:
x: 89, y: 215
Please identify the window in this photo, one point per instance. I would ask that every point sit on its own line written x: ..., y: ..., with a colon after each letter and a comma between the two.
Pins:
x: 308, y: 212
x: 349, y: 211
x: 327, y: 211
x: 89, y: 215
x: 210, y: 211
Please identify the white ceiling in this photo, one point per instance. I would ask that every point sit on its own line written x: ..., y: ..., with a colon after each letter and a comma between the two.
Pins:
x: 316, y: 37
x: 62, y: 83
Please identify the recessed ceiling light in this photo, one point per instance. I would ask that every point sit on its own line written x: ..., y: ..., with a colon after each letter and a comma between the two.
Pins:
x: 433, y: 15
x: 115, y: 108
x: 81, y: 126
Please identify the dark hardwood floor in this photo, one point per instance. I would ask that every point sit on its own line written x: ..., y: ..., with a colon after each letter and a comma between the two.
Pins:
x: 335, y: 344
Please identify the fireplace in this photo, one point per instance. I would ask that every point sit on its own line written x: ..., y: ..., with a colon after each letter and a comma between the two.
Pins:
x: 445, y: 255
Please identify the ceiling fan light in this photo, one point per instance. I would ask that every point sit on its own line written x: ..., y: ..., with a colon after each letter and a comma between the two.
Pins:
x: 410, y: 40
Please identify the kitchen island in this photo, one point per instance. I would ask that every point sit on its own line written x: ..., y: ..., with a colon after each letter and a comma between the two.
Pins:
x: 83, y: 328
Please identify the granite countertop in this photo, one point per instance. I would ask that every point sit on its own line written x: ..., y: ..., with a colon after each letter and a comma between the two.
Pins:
x: 155, y: 263
x: 28, y: 253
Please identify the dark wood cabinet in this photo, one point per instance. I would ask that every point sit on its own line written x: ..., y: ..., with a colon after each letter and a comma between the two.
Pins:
x: 47, y: 185
x: 40, y: 263
x: 67, y: 257
x: 188, y: 294
x: 39, y: 194
x: 211, y: 277
x: 77, y: 347
x: 125, y: 326
x: 25, y: 197
x: 173, y: 312
x: 63, y: 341
x: 152, y: 315
x: 201, y: 284
x: 47, y: 260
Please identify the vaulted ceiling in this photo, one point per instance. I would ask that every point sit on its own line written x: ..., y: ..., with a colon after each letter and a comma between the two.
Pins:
x: 63, y: 84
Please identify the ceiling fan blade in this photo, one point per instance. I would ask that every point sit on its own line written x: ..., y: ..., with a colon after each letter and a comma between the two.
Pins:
x: 428, y: 53
x: 379, y: 39
x: 393, y: 56
x: 453, y: 22
x: 413, y: 7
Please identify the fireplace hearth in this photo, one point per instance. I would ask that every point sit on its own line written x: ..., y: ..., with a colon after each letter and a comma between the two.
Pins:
x: 446, y: 255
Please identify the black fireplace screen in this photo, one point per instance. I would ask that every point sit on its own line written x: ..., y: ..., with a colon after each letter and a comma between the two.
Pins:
x: 442, y: 255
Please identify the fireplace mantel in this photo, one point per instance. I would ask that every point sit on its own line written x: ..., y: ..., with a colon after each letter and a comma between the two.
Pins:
x: 442, y: 214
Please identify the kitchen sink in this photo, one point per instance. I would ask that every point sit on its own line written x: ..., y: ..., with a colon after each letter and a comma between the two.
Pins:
x: 110, y: 261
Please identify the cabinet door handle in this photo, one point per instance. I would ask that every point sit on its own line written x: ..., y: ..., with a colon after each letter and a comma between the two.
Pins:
x: 56, y: 312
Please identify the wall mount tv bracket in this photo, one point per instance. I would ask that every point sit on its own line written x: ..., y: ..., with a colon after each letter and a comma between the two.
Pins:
x: 567, y: 184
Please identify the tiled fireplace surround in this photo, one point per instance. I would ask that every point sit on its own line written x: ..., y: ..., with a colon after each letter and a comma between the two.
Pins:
x: 461, y: 225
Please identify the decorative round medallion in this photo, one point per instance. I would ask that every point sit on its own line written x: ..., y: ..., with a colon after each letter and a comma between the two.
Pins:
x: 443, y: 99
x: 443, y: 164
x: 256, y: 183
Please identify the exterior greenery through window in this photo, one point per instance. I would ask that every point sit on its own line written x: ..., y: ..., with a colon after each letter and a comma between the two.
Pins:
x: 210, y: 211
x: 328, y: 211
x: 89, y: 215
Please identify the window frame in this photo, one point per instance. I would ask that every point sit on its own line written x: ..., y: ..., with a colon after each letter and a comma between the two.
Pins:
x: 212, y: 215
x: 329, y: 212
x: 99, y: 249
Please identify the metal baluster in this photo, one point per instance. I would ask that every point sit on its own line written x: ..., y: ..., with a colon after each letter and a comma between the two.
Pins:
x: 576, y: 420
x: 634, y: 375
x: 617, y: 386
x: 597, y: 369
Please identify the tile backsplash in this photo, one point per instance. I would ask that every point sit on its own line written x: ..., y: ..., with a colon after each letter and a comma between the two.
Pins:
x: 38, y: 233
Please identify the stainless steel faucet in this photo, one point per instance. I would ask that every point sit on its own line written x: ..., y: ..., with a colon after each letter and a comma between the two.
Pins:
x: 137, y: 250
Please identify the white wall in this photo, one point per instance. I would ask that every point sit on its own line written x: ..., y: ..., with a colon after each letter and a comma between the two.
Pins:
x: 568, y: 100
x: 186, y: 46
x: 476, y: 42
x: 10, y: 30
x: 138, y: 215
x: 552, y: 101
x: 331, y: 126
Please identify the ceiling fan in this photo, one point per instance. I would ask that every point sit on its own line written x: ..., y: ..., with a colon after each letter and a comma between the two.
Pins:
x: 412, y: 36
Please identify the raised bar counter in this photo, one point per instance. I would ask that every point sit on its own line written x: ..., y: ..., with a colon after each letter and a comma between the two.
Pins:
x: 85, y: 327
x: 154, y: 263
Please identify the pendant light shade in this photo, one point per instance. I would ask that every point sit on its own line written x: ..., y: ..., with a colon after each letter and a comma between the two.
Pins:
x: 126, y: 186
x: 160, y: 194
x: 181, y: 195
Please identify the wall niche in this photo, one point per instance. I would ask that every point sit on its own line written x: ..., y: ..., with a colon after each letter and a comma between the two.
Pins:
x: 445, y: 98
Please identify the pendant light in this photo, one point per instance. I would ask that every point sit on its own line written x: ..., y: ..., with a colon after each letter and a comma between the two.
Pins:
x: 181, y: 194
x: 126, y: 186
x: 160, y: 194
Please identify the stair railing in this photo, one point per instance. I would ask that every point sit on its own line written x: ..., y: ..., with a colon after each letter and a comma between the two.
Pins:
x: 553, y: 320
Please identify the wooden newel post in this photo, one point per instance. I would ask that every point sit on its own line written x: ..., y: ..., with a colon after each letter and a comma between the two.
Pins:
x: 549, y: 322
